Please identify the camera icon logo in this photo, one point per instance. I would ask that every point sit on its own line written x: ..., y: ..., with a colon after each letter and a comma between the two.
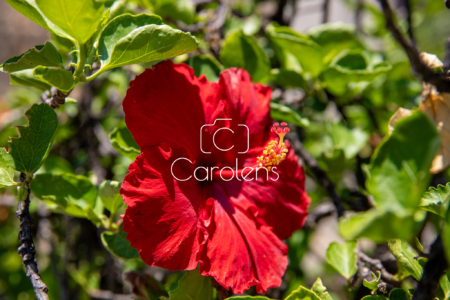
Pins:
x: 202, y: 129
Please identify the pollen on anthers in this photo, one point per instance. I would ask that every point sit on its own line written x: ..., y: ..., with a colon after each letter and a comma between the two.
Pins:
x: 275, y: 152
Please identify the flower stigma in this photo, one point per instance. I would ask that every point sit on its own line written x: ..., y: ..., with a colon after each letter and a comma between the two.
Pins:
x: 275, y: 152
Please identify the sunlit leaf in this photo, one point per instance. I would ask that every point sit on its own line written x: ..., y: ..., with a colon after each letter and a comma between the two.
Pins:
x: 31, y: 148
x: 242, y: 51
x: 71, y: 193
x: 302, y: 294
x: 379, y: 225
x: 78, y: 19
x: 123, y: 141
x: 205, y: 65
x: 41, y: 55
x: 138, y: 39
x: 27, y: 78
x: 109, y: 193
x: 436, y: 200
x: 320, y: 290
x: 342, y: 257
x: 334, y: 37
x: 445, y: 285
x: 59, y: 78
x: 373, y: 284
x: 284, y: 113
x: 399, y: 168
x: 6, y: 169
x: 405, y: 256
x: 193, y: 286
x: 295, y: 51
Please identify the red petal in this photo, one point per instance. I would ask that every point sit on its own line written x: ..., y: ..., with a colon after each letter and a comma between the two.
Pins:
x: 240, y: 252
x: 282, y: 204
x: 164, y: 104
x: 162, y: 214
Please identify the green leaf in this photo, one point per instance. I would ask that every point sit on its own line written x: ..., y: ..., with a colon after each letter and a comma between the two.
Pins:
x: 302, y: 294
x: 6, y: 169
x: 373, y: 284
x: 145, y: 286
x: 139, y: 39
x: 205, y: 65
x: 182, y: 10
x: 351, y: 66
x: 342, y: 257
x: 288, y: 78
x: 92, y: 216
x: 399, y: 170
x: 71, y: 193
x: 320, y: 290
x: 334, y: 37
x: 59, y: 78
x: 445, y: 235
x: 405, y: 256
x: 350, y: 140
x: 398, y: 294
x: 379, y: 225
x: 122, y: 140
x: 27, y: 78
x: 77, y: 19
x: 296, y: 52
x: 445, y: 285
x: 193, y: 286
x: 109, y: 192
x: 374, y: 298
x: 41, y: 55
x: 436, y: 200
x: 286, y: 114
x: 118, y: 245
x: 31, y: 148
x: 242, y: 51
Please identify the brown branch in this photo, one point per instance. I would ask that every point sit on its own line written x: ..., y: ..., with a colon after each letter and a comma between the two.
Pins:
x: 26, y: 248
x: 376, y: 264
x: 447, y: 3
x: 325, y: 11
x: 447, y: 56
x: 436, y: 79
x: 432, y: 272
x: 320, y: 174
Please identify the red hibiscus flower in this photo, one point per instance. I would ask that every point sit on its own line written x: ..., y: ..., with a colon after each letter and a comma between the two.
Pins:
x: 188, y: 201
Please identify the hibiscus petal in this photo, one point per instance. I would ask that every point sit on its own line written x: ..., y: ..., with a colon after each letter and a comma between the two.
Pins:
x: 246, y: 103
x: 241, y: 252
x: 283, y: 204
x: 164, y: 104
x: 162, y: 214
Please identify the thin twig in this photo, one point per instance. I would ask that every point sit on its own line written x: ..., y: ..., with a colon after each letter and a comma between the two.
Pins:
x: 325, y: 11
x: 407, y: 5
x: 27, y: 249
x: 436, y: 79
x: 376, y: 264
x: 279, y: 15
x: 432, y: 272
x: 320, y: 174
x: 447, y: 56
